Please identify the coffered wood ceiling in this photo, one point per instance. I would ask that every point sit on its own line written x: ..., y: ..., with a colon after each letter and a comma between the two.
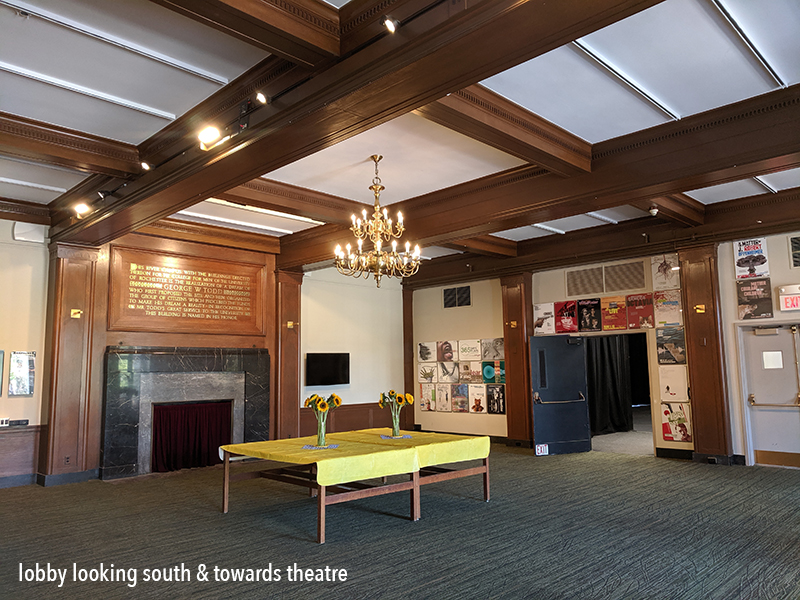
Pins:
x: 516, y: 135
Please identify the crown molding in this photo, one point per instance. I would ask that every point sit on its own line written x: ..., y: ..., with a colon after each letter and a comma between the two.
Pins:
x: 42, y: 142
x: 305, y: 32
x: 483, y: 115
x: 282, y: 197
x: 209, y: 234
x: 27, y: 212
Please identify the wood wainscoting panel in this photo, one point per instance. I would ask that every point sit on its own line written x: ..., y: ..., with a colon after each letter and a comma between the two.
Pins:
x: 517, y: 329
x: 19, y: 450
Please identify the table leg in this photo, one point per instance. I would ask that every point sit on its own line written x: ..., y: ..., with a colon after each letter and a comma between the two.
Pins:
x: 486, y: 479
x: 416, y: 510
x: 321, y: 515
x: 226, y: 461
x: 312, y: 491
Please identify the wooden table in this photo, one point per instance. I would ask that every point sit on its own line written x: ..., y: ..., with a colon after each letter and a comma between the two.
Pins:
x: 341, y: 474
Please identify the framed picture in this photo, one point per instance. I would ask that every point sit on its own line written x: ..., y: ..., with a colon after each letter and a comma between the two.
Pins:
x: 21, y: 373
x: 2, y: 359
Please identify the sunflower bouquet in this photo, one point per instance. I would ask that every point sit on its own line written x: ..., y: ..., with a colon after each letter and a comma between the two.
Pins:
x: 395, y: 402
x: 322, y: 407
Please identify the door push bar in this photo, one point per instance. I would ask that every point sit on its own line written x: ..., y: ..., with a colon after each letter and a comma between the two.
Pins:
x: 751, y: 400
x: 537, y: 399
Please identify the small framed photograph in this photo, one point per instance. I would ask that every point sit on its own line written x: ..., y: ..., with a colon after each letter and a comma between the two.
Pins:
x: 21, y: 373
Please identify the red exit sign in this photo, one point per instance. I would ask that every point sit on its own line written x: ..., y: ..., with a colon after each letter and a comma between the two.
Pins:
x: 790, y: 302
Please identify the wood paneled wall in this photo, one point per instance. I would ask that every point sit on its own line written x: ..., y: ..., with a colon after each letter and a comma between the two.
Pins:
x: 287, y: 363
x: 704, y: 349
x: 517, y: 328
x: 347, y: 418
x: 72, y: 402
x: 19, y: 450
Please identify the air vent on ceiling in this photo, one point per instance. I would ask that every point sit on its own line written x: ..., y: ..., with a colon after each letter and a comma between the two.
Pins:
x: 455, y: 297
x: 585, y: 281
x: 627, y: 276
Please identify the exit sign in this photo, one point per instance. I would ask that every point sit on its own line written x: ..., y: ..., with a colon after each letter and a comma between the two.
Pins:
x: 790, y: 302
x: 789, y: 297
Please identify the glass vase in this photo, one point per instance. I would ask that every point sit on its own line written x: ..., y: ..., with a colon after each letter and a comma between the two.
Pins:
x: 395, y: 423
x: 321, y: 431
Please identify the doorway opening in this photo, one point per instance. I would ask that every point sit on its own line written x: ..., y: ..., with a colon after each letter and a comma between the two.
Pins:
x: 618, y: 378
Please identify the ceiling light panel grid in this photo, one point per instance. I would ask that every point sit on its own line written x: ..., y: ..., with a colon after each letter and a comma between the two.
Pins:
x: 686, y: 54
x: 773, y: 28
x: 32, y: 182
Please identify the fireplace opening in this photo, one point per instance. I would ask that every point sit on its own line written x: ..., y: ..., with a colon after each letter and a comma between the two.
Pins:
x: 189, y: 434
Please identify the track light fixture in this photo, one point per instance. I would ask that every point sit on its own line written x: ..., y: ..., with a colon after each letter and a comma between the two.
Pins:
x: 81, y: 209
x: 260, y: 97
x: 391, y: 24
x: 145, y: 166
x: 211, y: 137
x: 104, y: 193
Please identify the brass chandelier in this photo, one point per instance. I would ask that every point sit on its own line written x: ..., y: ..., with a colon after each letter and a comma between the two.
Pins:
x: 379, y: 230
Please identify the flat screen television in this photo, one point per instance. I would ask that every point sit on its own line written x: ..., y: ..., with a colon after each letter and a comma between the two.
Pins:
x: 329, y: 368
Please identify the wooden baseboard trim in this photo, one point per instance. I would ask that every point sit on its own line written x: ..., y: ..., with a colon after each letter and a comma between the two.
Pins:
x: 778, y: 459
x: 19, y: 450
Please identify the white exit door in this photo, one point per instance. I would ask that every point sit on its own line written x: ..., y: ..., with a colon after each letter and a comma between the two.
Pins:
x: 772, y: 392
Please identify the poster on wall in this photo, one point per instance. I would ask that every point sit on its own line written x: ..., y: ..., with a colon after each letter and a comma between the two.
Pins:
x: 2, y: 354
x: 426, y: 352
x: 673, y: 383
x: 665, y: 270
x: 21, y: 373
x: 615, y: 317
x: 667, y: 308
x: 671, y: 346
x: 469, y: 350
x: 470, y: 372
x: 448, y: 372
x: 494, y: 371
x: 496, y: 399
x: 566, y: 316
x: 675, y: 423
x: 427, y: 396
x: 493, y: 349
x: 443, y: 397
x: 640, y: 311
x: 459, y: 397
x: 544, y: 322
x: 754, y: 297
x: 447, y: 351
x: 427, y: 373
x: 477, y: 399
x: 750, y: 258
x: 589, y: 314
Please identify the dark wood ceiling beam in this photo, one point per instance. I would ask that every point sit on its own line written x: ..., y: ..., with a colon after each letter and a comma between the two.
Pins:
x: 752, y: 137
x: 680, y: 209
x: 305, y: 32
x: 27, y: 212
x: 486, y: 245
x: 441, y: 50
x: 311, y: 246
x: 50, y: 144
x: 209, y: 234
x: 282, y: 197
x: 479, y: 113
x: 768, y: 214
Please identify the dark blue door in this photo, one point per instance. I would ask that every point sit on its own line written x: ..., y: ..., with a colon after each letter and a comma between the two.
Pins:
x: 558, y: 382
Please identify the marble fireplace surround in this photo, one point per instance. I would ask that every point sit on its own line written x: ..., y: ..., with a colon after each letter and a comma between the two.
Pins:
x: 138, y: 377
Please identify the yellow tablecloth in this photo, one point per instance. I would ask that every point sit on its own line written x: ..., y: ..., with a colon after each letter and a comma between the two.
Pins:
x: 364, y: 454
x: 432, y: 448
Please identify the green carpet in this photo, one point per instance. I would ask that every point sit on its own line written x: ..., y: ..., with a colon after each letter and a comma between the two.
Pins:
x: 585, y: 526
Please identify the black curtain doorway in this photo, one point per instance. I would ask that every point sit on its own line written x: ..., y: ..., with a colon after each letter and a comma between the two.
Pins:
x: 618, y: 378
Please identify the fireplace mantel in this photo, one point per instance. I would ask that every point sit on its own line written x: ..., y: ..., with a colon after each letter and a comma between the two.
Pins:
x: 137, y: 377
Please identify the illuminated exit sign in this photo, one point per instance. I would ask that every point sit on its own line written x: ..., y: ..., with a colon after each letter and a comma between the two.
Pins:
x: 790, y: 297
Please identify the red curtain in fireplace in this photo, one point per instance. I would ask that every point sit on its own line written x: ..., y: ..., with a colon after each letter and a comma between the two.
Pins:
x: 189, y: 434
